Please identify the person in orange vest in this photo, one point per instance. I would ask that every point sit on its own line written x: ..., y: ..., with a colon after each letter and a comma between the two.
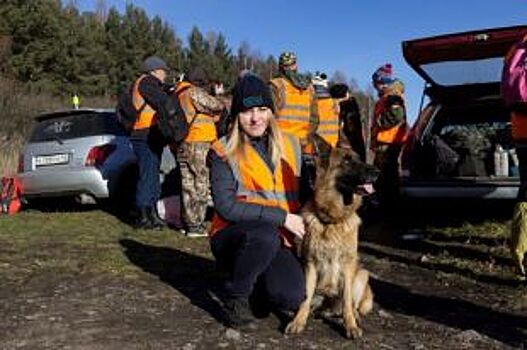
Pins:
x: 328, y: 111
x: 255, y: 180
x: 388, y: 133
x: 296, y: 108
x: 149, y: 98
x: 202, y: 111
x: 295, y: 101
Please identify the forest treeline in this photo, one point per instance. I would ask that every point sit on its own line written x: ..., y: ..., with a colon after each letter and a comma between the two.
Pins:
x: 51, y: 46
x: 50, y: 50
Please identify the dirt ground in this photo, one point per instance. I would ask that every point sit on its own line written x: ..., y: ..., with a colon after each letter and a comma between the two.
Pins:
x: 436, y: 287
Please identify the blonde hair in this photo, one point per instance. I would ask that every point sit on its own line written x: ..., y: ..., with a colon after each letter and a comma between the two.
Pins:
x: 236, y: 140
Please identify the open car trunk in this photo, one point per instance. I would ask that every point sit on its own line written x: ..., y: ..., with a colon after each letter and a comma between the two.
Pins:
x: 466, y: 142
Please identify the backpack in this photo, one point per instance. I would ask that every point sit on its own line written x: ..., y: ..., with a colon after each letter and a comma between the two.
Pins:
x: 173, y: 124
x: 126, y: 112
x: 10, y: 195
x: 514, y: 75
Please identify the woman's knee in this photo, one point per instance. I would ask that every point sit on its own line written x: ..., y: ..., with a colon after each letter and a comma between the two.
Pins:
x: 289, y: 299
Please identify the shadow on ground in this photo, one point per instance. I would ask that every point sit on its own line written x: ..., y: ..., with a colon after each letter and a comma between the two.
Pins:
x: 195, y: 277
x: 460, y: 314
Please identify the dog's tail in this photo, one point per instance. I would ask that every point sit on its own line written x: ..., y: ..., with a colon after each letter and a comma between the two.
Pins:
x: 362, y: 293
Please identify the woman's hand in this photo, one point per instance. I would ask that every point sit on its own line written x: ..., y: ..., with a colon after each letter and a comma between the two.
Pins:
x: 295, y: 224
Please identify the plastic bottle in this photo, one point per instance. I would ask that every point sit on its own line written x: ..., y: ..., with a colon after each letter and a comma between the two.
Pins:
x: 515, y: 163
x: 504, y: 163
x: 497, y: 160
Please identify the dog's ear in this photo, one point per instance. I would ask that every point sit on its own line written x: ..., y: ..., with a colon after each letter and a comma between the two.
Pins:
x: 323, y: 152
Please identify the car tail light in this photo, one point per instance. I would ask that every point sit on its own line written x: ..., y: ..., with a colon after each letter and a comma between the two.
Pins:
x: 20, y: 168
x: 99, y: 154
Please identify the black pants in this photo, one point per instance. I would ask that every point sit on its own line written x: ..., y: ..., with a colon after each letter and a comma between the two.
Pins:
x: 252, y: 253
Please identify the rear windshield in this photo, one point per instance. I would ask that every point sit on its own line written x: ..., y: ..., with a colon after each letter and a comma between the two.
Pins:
x: 452, y: 73
x: 77, y: 125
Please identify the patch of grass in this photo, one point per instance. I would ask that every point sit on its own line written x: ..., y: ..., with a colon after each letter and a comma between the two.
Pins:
x: 77, y: 242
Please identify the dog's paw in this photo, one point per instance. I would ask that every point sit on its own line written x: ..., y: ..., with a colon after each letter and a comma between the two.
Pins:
x: 294, y: 327
x: 353, y: 332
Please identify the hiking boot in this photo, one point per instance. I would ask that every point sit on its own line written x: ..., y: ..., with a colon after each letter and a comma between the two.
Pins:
x: 237, y: 313
x: 143, y: 219
x: 157, y: 222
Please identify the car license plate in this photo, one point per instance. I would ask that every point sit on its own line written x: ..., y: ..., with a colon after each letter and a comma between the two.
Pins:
x: 53, y: 159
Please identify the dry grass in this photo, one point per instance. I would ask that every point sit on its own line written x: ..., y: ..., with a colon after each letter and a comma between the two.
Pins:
x: 17, y: 110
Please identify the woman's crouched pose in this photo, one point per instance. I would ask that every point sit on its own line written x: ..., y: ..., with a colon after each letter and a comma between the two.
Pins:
x: 255, y: 179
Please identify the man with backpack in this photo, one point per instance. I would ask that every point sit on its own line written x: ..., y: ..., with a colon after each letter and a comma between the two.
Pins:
x: 150, y: 101
x: 202, y: 112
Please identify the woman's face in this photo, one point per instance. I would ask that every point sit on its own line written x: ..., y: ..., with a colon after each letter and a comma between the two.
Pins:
x: 254, y: 121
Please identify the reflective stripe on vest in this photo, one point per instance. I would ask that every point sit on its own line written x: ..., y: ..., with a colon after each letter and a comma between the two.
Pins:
x: 293, y: 116
x: 146, y: 117
x: 202, y: 128
x: 256, y: 183
x: 396, y: 134
x: 328, y: 127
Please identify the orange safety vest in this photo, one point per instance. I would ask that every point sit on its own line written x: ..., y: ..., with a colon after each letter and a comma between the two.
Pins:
x: 328, y: 127
x: 202, y: 127
x: 256, y: 183
x: 294, y: 114
x: 396, y: 134
x: 147, y: 116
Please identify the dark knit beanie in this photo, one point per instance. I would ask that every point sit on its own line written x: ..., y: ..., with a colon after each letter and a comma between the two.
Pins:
x: 250, y: 91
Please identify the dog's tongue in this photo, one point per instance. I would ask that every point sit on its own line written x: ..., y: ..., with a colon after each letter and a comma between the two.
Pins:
x: 365, y: 189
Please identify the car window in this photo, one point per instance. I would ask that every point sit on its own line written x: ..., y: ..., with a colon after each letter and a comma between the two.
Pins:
x: 77, y: 125
x: 453, y: 73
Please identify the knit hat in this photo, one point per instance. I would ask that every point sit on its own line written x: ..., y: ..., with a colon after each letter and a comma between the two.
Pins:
x: 250, y: 91
x: 321, y: 85
x: 321, y: 80
x: 153, y: 63
x: 287, y: 58
x: 383, y: 74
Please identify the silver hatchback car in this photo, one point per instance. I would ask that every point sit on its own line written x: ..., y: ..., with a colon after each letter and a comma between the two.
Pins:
x: 83, y: 153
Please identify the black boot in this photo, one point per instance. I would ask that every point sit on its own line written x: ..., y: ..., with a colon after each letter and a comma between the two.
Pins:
x: 143, y: 219
x: 157, y: 222
x: 237, y: 313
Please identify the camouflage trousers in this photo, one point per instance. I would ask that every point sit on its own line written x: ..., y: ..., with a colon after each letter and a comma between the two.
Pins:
x: 195, y: 191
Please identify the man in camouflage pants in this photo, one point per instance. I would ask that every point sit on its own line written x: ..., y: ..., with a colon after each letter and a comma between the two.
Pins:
x: 202, y: 111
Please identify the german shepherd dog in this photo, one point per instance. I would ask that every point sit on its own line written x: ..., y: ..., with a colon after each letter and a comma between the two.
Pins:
x: 329, y: 249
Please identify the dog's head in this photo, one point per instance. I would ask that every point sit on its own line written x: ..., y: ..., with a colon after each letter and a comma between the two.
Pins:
x: 342, y: 180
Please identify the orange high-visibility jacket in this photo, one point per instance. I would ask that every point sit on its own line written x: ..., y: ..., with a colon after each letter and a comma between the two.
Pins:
x: 202, y: 127
x: 294, y: 114
x: 394, y: 135
x: 257, y: 184
x: 328, y: 127
x: 147, y: 116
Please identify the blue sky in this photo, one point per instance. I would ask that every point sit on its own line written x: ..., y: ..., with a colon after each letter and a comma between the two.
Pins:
x: 353, y: 36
